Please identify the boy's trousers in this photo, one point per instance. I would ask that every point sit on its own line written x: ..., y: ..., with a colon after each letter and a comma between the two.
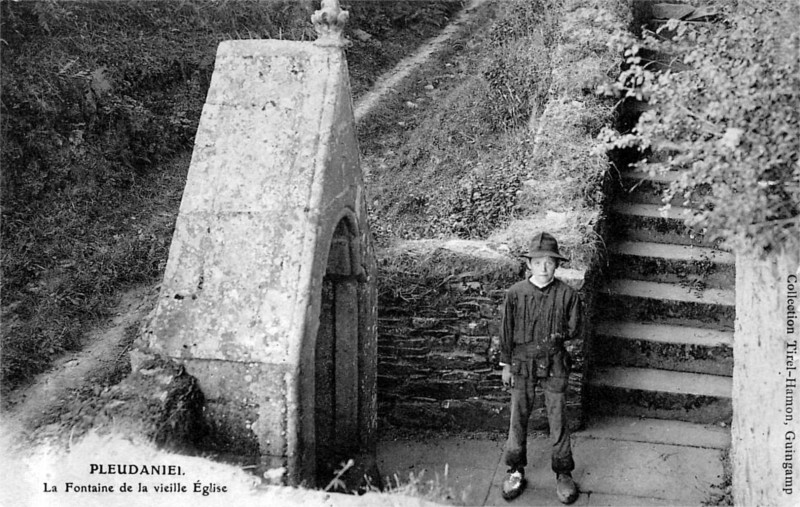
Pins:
x: 522, y: 396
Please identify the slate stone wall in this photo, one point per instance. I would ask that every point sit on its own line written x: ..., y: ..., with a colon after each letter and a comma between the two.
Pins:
x: 438, y: 347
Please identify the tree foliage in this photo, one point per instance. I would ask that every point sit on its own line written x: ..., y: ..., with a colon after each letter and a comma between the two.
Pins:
x: 726, y: 112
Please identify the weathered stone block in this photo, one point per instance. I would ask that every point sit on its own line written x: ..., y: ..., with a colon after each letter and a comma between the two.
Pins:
x: 269, y: 296
x: 461, y: 375
x: 424, y: 322
x: 457, y: 360
x: 475, y: 344
x: 230, y: 431
x: 247, y: 400
x: 474, y: 328
x: 764, y: 396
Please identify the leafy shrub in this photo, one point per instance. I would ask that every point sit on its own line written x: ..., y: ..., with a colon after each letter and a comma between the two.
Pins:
x: 484, y: 203
x: 727, y: 114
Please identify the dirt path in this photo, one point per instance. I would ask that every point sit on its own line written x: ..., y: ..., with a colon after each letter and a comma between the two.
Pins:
x: 106, y: 346
x: 104, y: 352
x: 387, y: 82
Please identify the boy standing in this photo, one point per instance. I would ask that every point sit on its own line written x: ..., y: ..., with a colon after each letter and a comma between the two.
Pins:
x: 539, y: 314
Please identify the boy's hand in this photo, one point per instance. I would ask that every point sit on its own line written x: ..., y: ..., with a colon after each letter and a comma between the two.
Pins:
x: 508, y: 379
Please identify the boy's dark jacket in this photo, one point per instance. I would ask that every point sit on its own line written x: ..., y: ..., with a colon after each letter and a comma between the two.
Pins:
x: 535, y: 324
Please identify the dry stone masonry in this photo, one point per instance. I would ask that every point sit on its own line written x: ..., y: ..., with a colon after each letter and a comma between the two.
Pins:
x: 438, y: 339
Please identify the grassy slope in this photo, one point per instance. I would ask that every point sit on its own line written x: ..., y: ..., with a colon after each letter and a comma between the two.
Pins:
x: 97, y: 137
x: 493, y: 138
x: 100, y: 104
x: 449, y: 128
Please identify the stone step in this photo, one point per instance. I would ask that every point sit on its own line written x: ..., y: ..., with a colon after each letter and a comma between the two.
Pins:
x: 667, y: 347
x: 660, y: 394
x: 672, y: 252
x: 669, y: 292
x: 667, y: 303
x: 651, y: 211
x: 662, y: 333
x: 655, y: 380
x: 664, y: 381
x: 643, y: 188
x: 646, y: 222
x: 663, y: 262
x: 657, y: 431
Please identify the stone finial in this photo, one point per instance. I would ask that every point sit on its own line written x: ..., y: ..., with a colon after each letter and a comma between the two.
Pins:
x: 329, y: 24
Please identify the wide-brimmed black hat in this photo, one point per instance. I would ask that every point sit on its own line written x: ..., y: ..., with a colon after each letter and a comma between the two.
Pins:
x: 543, y: 245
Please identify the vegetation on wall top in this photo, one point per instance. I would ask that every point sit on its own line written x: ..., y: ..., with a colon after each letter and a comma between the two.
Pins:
x: 727, y: 113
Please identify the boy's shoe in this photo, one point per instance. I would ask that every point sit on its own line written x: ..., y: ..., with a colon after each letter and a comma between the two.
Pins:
x: 566, y: 489
x: 513, y: 485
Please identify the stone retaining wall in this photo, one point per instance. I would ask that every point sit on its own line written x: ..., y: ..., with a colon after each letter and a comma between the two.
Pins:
x: 438, y: 337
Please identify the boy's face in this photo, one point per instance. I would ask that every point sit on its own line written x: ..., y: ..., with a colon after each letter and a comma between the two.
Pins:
x: 543, y: 269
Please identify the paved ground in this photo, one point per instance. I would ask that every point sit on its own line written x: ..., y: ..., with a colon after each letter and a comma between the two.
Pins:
x: 619, y: 462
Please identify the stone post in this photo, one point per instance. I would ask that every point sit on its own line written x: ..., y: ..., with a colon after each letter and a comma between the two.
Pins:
x: 766, y: 427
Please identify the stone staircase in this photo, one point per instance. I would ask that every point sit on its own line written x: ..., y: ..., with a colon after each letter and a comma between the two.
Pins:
x: 663, y: 346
